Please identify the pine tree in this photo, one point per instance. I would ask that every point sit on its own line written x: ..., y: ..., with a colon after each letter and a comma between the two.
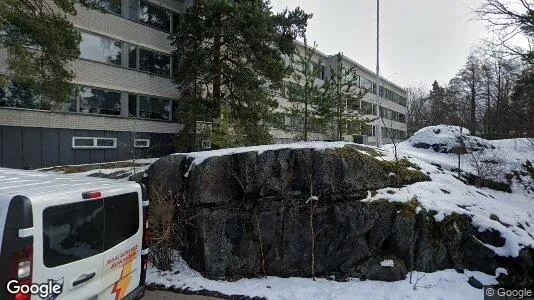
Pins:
x: 232, y: 52
x: 344, y: 95
x: 41, y: 41
x: 304, y: 93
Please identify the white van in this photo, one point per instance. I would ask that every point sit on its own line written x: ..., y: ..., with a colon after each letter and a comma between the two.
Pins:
x: 71, y: 237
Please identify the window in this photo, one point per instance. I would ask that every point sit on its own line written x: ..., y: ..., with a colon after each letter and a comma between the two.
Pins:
x: 121, y: 218
x: 132, y: 105
x: 112, y: 6
x: 94, y: 143
x: 72, y: 232
x: 96, y: 101
x: 320, y: 69
x: 24, y: 96
x: 175, y: 22
x: 366, y: 84
x: 101, y: 49
x: 154, y: 16
x: 402, y: 118
x: 154, y: 62
x: 132, y: 57
x: 76, y: 231
x: 154, y: 108
x: 141, y: 143
x: 368, y: 108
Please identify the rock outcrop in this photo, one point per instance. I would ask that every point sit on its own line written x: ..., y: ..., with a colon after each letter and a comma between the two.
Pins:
x: 253, y: 214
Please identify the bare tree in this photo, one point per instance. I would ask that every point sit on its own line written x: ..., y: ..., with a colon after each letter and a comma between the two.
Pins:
x: 510, y: 20
x: 417, y: 116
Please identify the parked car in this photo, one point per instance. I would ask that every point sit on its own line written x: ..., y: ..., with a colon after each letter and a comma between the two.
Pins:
x: 71, y: 237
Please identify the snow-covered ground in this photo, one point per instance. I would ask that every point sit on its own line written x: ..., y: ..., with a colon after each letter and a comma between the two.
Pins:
x: 512, y: 214
x: 447, y: 284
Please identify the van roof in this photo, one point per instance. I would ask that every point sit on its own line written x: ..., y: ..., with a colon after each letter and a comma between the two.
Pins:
x: 27, y: 183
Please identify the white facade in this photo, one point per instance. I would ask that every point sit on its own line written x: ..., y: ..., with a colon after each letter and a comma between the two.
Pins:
x: 393, y: 104
x: 108, y: 65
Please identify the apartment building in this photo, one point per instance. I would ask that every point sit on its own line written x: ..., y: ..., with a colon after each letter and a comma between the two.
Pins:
x: 124, y: 99
x: 393, y: 108
x: 123, y: 94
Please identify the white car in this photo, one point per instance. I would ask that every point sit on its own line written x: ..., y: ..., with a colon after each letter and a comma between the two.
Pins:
x: 71, y: 237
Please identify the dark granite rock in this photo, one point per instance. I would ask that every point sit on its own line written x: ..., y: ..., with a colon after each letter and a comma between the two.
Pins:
x: 248, y: 214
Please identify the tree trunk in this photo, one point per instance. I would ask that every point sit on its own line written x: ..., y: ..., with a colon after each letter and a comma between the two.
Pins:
x: 473, y: 105
x: 217, y: 69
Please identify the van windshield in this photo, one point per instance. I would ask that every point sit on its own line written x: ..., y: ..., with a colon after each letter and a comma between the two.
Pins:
x: 80, y: 230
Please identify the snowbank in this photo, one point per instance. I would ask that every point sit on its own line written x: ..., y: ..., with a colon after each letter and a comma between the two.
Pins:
x: 512, y: 214
x: 447, y: 284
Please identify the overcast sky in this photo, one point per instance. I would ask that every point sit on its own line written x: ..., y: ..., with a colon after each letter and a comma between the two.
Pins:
x: 421, y: 40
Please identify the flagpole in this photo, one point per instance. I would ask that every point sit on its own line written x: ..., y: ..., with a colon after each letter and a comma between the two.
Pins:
x: 378, y: 130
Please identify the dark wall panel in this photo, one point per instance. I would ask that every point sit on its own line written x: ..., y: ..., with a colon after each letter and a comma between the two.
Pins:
x: 28, y: 147
x: 82, y: 156
x: 66, y: 153
x: 167, y: 146
x: 155, y: 145
x: 124, y: 138
x: 50, y: 147
x: 97, y: 155
x: 111, y: 154
x: 31, y: 148
x: 12, y: 147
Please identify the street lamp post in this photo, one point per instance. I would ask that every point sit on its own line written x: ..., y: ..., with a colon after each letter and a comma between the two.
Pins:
x: 378, y: 130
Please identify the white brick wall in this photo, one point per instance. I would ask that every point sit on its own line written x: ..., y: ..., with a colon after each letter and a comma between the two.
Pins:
x: 122, y: 79
x: 47, y: 119
x: 122, y: 29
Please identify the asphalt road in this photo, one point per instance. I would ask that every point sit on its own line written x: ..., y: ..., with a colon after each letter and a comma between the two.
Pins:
x: 162, y: 295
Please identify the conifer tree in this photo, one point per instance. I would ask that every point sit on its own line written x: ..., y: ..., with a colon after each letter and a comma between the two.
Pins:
x: 304, y: 92
x: 41, y: 41
x: 342, y: 107
x: 232, y: 51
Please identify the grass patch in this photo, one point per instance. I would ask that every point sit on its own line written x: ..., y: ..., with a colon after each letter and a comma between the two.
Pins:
x: 368, y: 150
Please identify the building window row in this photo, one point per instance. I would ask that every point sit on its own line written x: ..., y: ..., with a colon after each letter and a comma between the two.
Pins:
x: 145, y: 107
x: 144, y: 12
x: 392, y: 115
x: 396, y: 134
x: 106, y: 50
x: 91, y: 100
x: 385, y: 93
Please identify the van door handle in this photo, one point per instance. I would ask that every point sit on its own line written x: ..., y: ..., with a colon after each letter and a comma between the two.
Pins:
x: 83, y: 278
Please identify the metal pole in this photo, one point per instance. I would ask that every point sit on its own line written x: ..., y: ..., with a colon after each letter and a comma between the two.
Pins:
x: 378, y: 130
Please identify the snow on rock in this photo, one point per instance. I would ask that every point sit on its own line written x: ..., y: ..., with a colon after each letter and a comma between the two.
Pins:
x: 199, y: 157
x: 443, y: 138
x: 387, y: 263
x: 500, y: 271
x: 512, y: 214
x: 446, y: 284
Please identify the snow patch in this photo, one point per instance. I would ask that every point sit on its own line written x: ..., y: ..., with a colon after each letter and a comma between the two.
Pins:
x: 500, y: 271
x: 387, y: 263
x: 446, y: 284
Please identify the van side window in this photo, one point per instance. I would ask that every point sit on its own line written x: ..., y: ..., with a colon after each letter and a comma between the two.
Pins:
x: 80, y: 230
x: 72, y: 232
x: 121, y: 218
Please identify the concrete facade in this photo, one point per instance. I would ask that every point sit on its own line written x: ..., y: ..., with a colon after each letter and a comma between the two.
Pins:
x: 28, y: 133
